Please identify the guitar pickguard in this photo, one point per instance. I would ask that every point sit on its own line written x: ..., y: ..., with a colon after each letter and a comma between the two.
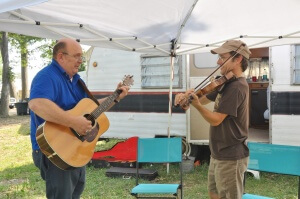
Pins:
x: 92, y: 134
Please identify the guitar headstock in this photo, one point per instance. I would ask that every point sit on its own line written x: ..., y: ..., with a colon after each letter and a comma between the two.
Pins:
x: 127, y: 80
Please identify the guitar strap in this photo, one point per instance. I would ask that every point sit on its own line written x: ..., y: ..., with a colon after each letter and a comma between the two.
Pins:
x: 87, y: 91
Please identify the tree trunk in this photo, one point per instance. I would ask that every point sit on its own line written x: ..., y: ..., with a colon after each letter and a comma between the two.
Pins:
x: 24, y: 70
x: 5, y: 77
x: 13, y: 90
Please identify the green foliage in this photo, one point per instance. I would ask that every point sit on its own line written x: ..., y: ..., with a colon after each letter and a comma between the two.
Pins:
x: 23, y: 43
x: 1, y: 67
x: 82, y: 67
x: 10, y: 73
x: 47, y: 50
x: 19, y: 41
x: 1, y: 63
x: 106, y: 144
x: 83, y: 64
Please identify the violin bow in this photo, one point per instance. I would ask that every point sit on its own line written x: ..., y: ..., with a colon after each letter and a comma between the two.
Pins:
x: 231, y: 56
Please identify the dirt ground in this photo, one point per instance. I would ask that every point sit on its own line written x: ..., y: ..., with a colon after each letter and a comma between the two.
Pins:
x: 14, y: 118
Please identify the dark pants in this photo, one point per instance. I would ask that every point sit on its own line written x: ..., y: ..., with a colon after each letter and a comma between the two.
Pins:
x: 59, y: 183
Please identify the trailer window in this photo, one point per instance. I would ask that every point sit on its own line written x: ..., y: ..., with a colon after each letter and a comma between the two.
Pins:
x: 296, y: 66
x: 156, y: 72
x: 205, y: 60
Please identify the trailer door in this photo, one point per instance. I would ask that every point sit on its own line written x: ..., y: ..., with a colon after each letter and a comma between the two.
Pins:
x: 285, y: 94
x: 201, y: 65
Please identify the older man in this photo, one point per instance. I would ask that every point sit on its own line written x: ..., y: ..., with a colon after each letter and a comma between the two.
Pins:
x: 54, y: 90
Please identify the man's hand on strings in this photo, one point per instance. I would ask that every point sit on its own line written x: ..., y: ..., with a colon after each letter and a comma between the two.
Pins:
x: 124, y: 92
x: 194, y: 100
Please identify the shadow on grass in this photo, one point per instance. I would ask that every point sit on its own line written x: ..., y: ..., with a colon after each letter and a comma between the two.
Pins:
x: 21, y: 182
x: 24, y: 171
x: 24, y: 129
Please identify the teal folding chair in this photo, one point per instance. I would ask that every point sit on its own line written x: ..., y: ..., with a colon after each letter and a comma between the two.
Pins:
x: 158, y: 150
x: 273, y: 158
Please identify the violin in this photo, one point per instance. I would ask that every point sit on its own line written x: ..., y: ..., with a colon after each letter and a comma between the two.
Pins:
x: 216, y: 84
x: 212, y: 86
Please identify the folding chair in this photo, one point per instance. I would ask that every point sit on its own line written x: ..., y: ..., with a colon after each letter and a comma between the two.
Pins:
x: 267, y: 157
x: 158, y: 150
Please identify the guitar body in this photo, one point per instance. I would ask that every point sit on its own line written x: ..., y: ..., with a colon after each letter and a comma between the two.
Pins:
x: 61, y: 145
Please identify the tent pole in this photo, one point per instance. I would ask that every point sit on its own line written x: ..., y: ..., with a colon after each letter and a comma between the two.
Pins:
x: 170, y: 100
x: 185, y: 20
x: 170, y: 93
x: 172, y: 56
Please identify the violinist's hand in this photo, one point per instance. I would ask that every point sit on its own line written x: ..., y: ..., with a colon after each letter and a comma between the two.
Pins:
x: 178, y: 99
x: 182, y: 99
x: 195, y: 100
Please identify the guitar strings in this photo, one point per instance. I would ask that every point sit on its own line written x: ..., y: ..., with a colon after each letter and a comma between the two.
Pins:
x: 108, y: 101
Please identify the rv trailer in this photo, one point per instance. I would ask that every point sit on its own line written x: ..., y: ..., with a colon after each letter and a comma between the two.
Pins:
x: 273, y: 76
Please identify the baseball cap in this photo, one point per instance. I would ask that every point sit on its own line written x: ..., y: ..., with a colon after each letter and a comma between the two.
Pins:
x: 233, y: 45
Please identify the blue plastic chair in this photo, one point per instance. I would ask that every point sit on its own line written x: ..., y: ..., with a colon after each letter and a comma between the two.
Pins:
x: 158, y: 150
x: 273, y: 158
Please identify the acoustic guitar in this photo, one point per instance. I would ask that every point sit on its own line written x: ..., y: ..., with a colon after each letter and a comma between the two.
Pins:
x: 63, y: 146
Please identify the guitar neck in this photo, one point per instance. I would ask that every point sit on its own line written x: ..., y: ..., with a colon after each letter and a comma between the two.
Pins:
x: 108, y: 102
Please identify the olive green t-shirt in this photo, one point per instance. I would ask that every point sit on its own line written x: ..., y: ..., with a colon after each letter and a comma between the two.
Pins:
x: 227, y: 140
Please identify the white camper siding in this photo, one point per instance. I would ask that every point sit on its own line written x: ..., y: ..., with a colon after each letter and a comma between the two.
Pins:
x: 199, y: 127
x: 280, y: 65
x: 83, y: 75
x: 135, y: 117
x: 200, y: 67
x: 124, y: 125
x: 285, y: 129
x: 111, y: 67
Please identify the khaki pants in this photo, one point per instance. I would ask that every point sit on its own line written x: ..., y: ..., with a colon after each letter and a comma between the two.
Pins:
x: 225, y: 177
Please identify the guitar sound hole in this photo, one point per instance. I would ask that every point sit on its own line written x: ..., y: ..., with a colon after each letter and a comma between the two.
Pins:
x: 90, y: 117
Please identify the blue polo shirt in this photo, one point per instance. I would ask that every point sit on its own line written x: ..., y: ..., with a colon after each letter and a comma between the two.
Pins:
x: 53, y: 83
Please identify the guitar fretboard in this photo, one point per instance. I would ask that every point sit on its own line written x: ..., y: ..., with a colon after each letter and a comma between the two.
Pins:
x: 105, y: 104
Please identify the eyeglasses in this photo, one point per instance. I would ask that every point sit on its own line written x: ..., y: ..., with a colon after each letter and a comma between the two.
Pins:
x: 223, y: 59
x: 77, y: 57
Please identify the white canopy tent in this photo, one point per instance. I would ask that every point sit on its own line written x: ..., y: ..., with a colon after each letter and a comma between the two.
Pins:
x: 7, y: 5
x: 151, y: 26
x: 161, y: 27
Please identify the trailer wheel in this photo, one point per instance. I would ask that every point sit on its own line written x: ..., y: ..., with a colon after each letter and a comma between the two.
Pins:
x: 186, y: 147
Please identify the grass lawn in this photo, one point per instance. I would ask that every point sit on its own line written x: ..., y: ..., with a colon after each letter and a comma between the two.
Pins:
x: 19, y: 178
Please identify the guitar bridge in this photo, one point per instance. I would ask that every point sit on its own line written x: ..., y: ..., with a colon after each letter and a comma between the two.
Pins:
x: 51, y: 156
x: 81, y: 138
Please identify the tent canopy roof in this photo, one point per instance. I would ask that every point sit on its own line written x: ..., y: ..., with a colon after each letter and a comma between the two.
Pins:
x: 151, y: 26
